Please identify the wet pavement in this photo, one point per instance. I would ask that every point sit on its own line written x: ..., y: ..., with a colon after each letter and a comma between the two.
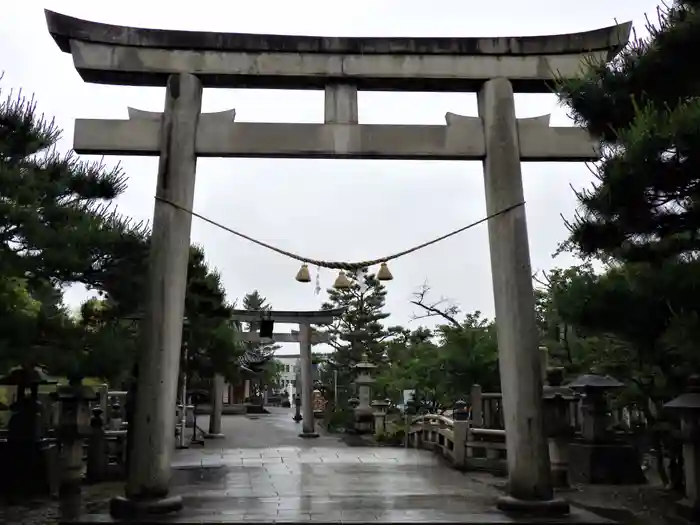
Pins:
x: 262, y: 471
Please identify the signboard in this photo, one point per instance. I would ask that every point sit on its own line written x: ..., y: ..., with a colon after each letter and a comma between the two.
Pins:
x: 408, y: 395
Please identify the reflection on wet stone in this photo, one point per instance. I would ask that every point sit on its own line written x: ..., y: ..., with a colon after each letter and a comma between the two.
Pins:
x: 263, y: 472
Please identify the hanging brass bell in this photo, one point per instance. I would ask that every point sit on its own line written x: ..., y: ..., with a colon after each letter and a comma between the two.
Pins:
x: 303, y: 275
x: 384, y: 274
x: 342, y: 282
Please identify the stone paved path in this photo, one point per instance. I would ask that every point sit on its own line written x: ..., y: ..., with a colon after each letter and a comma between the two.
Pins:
x: 264, y: 472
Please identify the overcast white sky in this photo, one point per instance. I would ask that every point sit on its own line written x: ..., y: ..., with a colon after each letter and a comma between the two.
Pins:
x: 348, y: 210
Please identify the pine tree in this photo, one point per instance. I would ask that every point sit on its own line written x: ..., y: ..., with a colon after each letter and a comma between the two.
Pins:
x: 359, y: 331
x: 208, y: 332
x: 56, y: 223
x: 56, y: 228
x: 645, y: 107
x: 257, y: 357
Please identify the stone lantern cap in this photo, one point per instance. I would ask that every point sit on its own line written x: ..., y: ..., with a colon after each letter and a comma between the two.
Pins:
x: 78, y: 392
x: 690, y: 400
x: 381, y: 403
x: 594, y: 382
x: 26, y: 375
x: 365, y: 364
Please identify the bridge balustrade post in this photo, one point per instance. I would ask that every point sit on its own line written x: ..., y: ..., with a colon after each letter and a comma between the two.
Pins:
x: 477, y: 406
x: 460, y: 434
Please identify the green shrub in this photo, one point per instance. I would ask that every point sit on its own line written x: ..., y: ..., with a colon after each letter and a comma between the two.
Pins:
x: 340, y: 420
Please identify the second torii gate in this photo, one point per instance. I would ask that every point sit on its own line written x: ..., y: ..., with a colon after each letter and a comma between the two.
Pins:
x: 305, y: 337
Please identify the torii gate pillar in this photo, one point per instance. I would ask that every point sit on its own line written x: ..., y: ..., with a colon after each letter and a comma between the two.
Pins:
x: 308, y: 425
x: 148, y: 473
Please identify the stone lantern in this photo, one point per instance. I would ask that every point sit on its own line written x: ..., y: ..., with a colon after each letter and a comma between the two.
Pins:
x: 598, y: 457
x: 74, y: 426
x: 594, y: 404
x: 380, y: 407
x: 460, y: 411
x: 688, y: 408
x: 558, y: 400
x: 27, y: 451
x: 115, y: 418
x: 364, y: 414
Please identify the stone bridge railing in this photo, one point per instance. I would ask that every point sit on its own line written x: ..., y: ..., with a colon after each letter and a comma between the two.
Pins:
x: 473, y: 437
x: 463, y: 447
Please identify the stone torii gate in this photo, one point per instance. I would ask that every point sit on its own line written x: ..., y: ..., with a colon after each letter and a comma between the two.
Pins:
x: 185, y: 62
x: 306, y: 337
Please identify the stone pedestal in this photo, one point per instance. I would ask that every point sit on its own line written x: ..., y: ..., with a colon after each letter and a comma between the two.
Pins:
x: 604, y: 463
x: 364, y: 414
x: 380, y: 407
x: 598, y: 458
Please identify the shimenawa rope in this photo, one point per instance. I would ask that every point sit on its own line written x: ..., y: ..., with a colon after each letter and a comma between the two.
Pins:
x: 339, y: 265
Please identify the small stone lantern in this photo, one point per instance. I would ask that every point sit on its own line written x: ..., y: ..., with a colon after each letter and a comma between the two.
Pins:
x: 115, y: 418
x: 380, y: 407
x: 688, y: 408
x: 558, y: 400
x: 594, y: 404
x: 597, y: 457
x: 460, y: 411
x: 74, y: 426
x: 364, y: 418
